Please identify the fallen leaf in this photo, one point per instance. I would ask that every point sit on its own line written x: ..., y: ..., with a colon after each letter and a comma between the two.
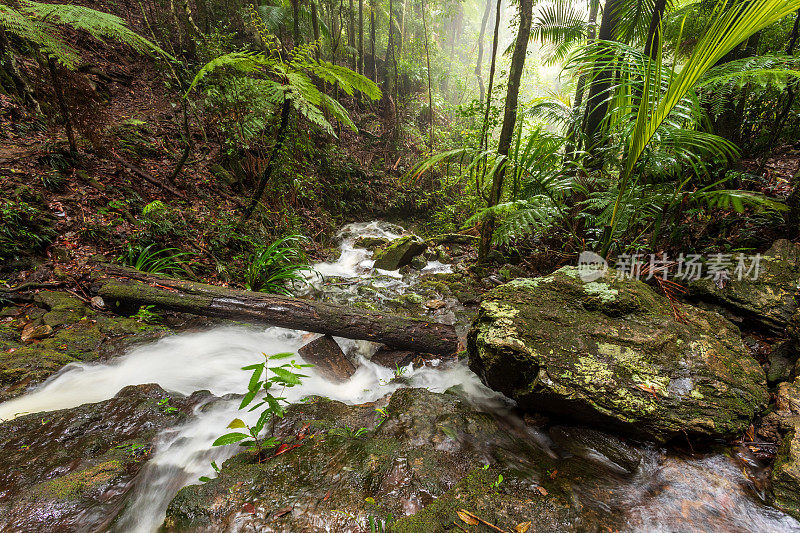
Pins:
x: 523, y: 527
x: 281, y: 512
x: 467, y: 517
x: 542, y: 491
x: 249, y: 508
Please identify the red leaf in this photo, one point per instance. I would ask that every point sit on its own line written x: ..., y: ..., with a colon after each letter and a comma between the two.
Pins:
x: 249, y: 508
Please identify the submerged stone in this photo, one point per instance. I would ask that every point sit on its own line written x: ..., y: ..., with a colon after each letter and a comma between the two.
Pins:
x: 610, y: 353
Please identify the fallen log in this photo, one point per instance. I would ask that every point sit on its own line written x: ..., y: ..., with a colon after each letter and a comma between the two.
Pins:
x: 123, y: 288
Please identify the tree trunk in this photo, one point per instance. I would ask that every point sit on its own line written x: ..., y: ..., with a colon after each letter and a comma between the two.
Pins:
x: 351, y: 35
x: 361, y: 37
x: 653, y: 43
x: 315, y: 28
x: 597, y: 102
x: 296, y: 22
x: 780, y: 119
x: 279, y: 138
x: 372, y: 43
x: 509, y: 118
x: 207, y: 300
x: 481, y: 38
x: 430, y: 89
x: 573, y: 145
x: 62, y: 104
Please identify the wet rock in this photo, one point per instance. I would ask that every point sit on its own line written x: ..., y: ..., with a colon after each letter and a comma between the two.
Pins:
x: 764, y: 303
x: 75, y: 338
x: 435, y: 304
x: 370, y: 243
x: 453, y: 238
x: 418, y: 262
x: 70, y: 470
x: 595, y: 445
x: 422, y: 457
x: 391, y: 358
x: 786, y: 473
x: 328, y: 359
x: 399, y: 252
x: 32, y: 332
x: 610, y: 353
x: 781, y: 362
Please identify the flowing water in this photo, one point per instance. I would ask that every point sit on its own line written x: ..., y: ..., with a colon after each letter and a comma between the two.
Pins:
x: 666, y: 494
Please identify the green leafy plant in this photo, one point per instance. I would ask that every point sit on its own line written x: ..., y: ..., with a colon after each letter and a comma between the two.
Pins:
x: 348, y: 432
x: 263, y: 380
x: 166, y: 407
x: 277, y: 268
x: 156, y: 261
x: 206, y: 479
x: 146, y: 315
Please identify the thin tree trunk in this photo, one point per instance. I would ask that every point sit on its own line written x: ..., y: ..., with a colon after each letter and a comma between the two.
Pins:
x: 361, y: 37
x: 351, y: 35
x: 296, y: 22
x: 597, y: 102
x: 485, y: 126
x: 62, y: 105
x: 187, y: 150
x: 430, y: 89
x: 572, y: 146
x: 315, y: 28
x: 509, y: 118
x: 479, y: 64
x: 372, y: 43
x: 653, y: 43
x: 276, y: 149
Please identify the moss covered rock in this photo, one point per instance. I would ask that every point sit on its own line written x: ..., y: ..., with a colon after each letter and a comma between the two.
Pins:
x: 766, y: 302
x: 71, y: 470
x: 786, y: 473
x: 399, y: 252
x: 422, y: 456
x: 76, y: 334
x: 610, y: 352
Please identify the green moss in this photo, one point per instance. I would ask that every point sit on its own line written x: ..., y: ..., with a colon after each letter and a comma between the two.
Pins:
x: 75, y: 484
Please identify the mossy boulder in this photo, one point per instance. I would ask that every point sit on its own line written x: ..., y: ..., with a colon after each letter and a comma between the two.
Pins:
x: 76, y: 334
x: 370, y: 243
x: 786, y: 473
x: 422, y: 457
x: 765, y: 303
x: 610, y: 352
x: 399, y: 252
x: 71, y: 470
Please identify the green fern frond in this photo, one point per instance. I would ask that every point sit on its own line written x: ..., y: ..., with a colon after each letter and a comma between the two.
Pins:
x: 40, y: 34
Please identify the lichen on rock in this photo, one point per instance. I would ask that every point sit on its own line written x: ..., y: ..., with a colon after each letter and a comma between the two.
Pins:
x: 611, y: 353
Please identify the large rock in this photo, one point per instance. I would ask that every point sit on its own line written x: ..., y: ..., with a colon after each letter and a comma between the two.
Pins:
x: 419, y: 460
x: 764, y: 303
x: 37, y: 341
x: 610, y: 352
x: 71, y: 470
x: 399, y: 252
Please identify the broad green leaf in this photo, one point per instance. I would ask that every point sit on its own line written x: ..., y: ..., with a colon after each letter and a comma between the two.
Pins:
x: 237, y: 423
x: 230, y: 438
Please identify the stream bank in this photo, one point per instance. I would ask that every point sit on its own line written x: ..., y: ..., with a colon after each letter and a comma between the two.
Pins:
x: 408, y: 446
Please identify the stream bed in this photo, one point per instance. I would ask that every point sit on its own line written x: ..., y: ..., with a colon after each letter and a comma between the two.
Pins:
x: 662, y: 491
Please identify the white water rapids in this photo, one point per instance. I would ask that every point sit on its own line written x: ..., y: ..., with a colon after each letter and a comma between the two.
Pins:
x: 212, y: 360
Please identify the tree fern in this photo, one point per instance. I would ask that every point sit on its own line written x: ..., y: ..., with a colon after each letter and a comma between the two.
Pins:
x: 37, y: 23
